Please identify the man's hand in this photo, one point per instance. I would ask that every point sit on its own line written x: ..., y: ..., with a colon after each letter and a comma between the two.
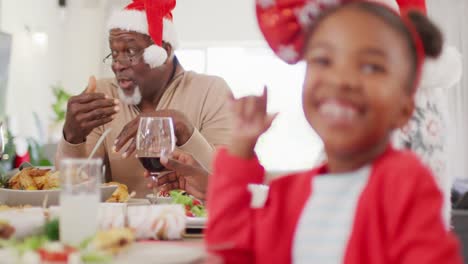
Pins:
x: 186, y: 173
x: 251, y: 120
x: 182, y: 126
x: 86, y: 112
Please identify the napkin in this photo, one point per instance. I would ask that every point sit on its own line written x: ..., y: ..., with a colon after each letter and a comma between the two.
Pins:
x: 160, y: 222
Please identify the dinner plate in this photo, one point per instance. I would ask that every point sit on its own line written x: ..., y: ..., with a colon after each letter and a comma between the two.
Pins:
x: 12, y: 197
x: 196, y: 222
x: 162, y: 252
x: 138, y: 201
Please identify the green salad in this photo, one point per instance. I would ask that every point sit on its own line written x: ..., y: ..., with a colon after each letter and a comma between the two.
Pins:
x: 45, y: 247
x: 193, y: 206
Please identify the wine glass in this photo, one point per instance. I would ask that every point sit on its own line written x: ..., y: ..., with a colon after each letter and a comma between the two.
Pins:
x: 155, y: 139
x: 2, y: 141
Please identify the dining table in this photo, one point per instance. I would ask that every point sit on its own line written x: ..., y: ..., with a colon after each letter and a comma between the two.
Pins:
x: 186, y: 248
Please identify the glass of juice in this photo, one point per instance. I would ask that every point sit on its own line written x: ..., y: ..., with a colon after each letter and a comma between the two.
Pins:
x: 79, y: 199
x: 155, y: 139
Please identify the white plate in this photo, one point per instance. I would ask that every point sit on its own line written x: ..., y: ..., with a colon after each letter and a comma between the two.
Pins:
x: 137, y: 201
x: 196, y: 222
x: 158, y: 199
x: 162, y: 252
x: 35, y: 198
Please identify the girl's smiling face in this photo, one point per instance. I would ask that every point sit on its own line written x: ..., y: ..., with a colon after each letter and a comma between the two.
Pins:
x: 356, y: 86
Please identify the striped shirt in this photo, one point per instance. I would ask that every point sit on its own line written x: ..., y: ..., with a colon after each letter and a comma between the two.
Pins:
x: 325, y: 225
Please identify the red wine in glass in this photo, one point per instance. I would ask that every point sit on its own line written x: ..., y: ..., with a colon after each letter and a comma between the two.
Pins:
x: 152, y: 164
x: 155, y: 139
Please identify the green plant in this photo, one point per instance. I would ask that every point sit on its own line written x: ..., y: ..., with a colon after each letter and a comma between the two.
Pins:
x: 10, y: 150
x: 60, y: 105
x: 36, y: 153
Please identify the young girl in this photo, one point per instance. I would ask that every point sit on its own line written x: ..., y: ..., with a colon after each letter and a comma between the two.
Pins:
x: 369, y: 204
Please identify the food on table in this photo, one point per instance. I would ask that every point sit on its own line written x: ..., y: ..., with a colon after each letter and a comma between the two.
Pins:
x: 159, y: 222
x: 4, y: 207
x: 163, y: 194
x: 55, y: 252
x: 22, y: 181
x: 193, y: 206
x: 114, y: 240
x: 42, y: 249
x: 34, y: 179
x: 120, y: 195
x: 51, y: 230
x: 6, y: 230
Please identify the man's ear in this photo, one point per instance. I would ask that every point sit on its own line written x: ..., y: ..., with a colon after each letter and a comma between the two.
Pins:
x: 168, y: 47
x: 406, y: 111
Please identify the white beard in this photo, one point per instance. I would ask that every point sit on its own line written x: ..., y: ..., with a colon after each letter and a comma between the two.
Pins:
x: 133, y: 99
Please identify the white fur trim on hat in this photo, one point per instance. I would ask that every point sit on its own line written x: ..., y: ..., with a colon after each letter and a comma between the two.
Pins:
x: 154, y: 56
x: 130, y: 20
x: 133, y: 20
x: 444, y: 71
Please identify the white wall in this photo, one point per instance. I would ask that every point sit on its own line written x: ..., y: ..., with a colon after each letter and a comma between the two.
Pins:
x: 219, y: 21
x: 452, y: 19
x: 33, y: 67
x: 77, y: 42
x: 203, y: 23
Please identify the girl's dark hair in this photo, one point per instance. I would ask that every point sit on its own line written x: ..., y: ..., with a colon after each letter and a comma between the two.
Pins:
x: 428, y: 32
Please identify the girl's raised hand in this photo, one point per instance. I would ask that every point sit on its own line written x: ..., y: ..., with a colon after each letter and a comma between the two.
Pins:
x: 251, y: 120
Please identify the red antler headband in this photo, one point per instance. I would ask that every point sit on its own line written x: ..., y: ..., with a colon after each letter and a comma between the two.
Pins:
x: 420, y: 52
x: 284, y: 24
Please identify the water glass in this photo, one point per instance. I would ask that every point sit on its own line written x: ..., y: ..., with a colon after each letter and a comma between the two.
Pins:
x: 79, y: 199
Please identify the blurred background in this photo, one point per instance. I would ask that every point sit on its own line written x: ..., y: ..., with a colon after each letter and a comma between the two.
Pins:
x: 49, y: 48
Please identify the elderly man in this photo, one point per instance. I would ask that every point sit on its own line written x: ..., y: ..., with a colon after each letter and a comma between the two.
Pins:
x: 148, y: 81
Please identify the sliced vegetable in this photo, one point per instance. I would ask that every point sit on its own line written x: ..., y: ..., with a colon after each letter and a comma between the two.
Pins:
x: 51, y: 230
x: 31, y: 243
x: 96, y: 257
x: 193, y: 207
x: 50, y: 253
x: 199, y: 211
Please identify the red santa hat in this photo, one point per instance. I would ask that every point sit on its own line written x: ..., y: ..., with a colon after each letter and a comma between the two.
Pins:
x: 149, y: 17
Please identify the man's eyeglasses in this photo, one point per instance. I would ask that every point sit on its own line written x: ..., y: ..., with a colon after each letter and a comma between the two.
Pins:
x: 128, y: 58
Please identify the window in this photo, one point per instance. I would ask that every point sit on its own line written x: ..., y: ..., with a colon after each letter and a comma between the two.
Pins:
x: 290, y: 144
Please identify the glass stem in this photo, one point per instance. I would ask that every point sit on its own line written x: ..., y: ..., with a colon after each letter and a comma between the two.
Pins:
x: 154, y: 176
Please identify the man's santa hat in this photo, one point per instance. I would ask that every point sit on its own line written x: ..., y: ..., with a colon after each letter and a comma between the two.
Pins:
x: 149, y: 17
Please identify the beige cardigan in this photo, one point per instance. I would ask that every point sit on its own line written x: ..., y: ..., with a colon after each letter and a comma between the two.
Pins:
x: 202, y: 98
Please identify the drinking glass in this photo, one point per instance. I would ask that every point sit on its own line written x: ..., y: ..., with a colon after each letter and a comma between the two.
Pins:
x: 79, y: 199
x: 155, y: 139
